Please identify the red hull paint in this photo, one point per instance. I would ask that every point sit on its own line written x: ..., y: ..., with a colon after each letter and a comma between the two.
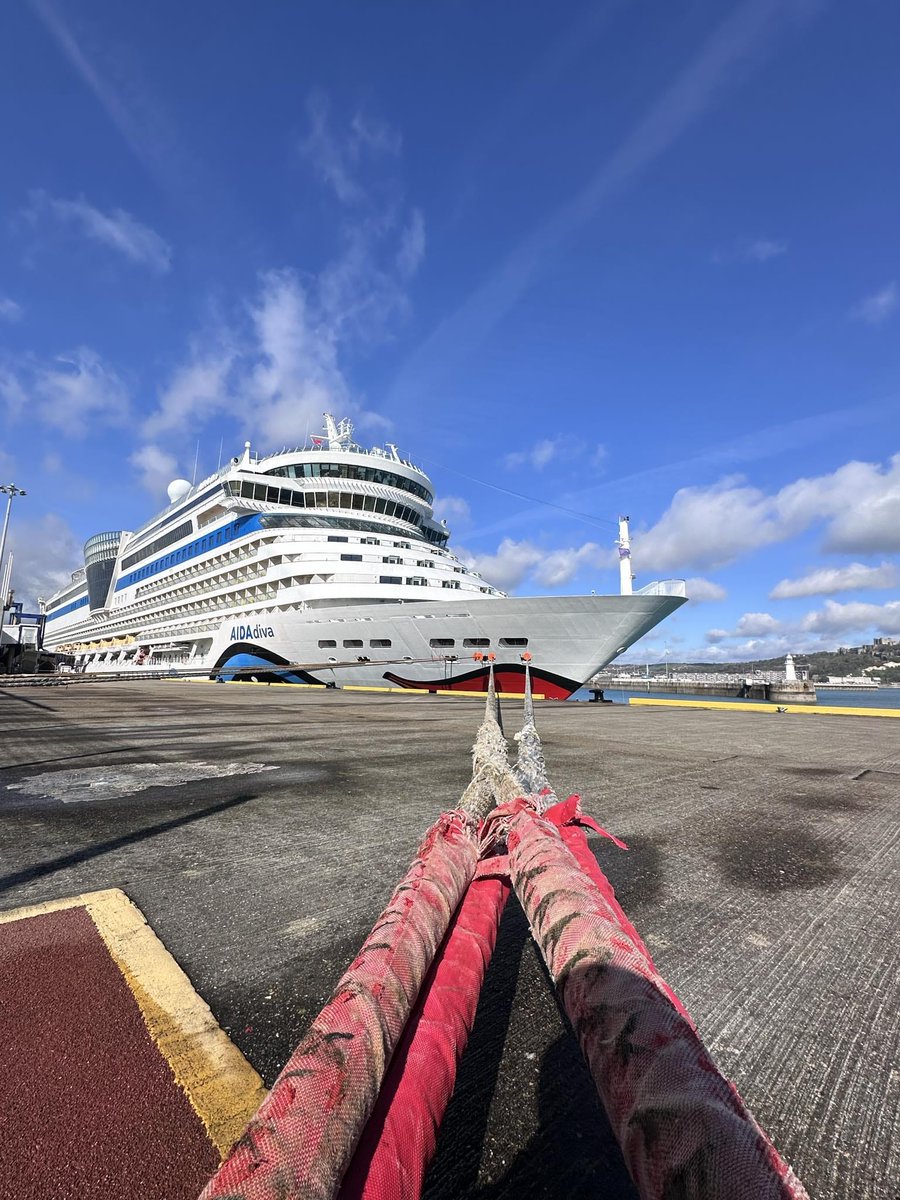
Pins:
x: 506, y: 678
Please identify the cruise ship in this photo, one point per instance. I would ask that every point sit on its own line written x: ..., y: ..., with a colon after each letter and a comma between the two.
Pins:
x: 325, y: 564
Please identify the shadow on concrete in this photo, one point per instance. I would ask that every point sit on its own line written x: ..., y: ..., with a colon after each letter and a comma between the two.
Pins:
x: 39, y: 870
x: 25, y: 700
x: 61, y: 758
x: 570, y: 1150
x: 574, y: 1152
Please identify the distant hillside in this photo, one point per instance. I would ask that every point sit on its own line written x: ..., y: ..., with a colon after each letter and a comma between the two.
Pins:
x: 821, y: 664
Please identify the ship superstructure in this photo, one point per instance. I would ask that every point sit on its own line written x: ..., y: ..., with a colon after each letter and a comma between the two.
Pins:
x: 323, y: 555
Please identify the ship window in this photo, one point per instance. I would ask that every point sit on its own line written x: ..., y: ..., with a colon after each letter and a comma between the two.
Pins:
x: 391, y: 558
x: 380, y: 643
x: 334, y: 499
x: 351, y: 558
x: 424, y: 562
x: 476, y: 641
x: 371, y: 541
x: 336, y: 537
x: 442, y: 643
x: 514, y: 641
x: 450, y: 583
x: 326, y: 644
x: 416, y: 580
x: 403, y: 545
x: 380, y: 504
x: 352, y: 644
x: 346, y: 500
x: 390, y: 579
x: 357, y: 501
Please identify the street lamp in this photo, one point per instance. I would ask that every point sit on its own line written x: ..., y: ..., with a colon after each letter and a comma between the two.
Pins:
x: 10, y: 490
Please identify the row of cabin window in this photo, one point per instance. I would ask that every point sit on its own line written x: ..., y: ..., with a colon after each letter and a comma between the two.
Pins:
x: 350, y: 500
x: 394, y: 559
x: 476, y: 642
x: 307, y: 470
x: 385, y: 643
x: 208, y: 542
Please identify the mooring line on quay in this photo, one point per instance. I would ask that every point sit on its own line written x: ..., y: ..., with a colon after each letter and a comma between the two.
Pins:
x: 355, y: 1112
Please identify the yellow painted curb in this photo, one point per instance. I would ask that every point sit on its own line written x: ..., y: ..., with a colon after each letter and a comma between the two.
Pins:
x: 812, y: 710
x: 222, y: 1087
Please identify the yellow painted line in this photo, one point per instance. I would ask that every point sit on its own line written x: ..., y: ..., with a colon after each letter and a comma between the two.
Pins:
x: 809, y: 709
x: 222, y: 1087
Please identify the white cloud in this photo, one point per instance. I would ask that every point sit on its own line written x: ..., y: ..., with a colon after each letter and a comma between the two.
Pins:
x: 451, y: 508
x: 700, y: 589
x: 708, y: 527
x: 156, y: 468
x: 828, y: 580
x: 876, y: 309
x: 762, y: 249
x: 541, y: 453
x: 73, y: 393
x: 412, y: 246
x: 546, y: 450
x: 514, y: 562
x: 46, y: 551
x: 118, y: 230
x: 714, y: 636
x: 9, y: 309
x: 855, y: 617
x: 757, y: 625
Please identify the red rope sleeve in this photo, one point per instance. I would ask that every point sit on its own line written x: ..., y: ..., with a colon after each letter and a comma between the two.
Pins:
x: 683, y: 1128
x: 301, y: 1139
x: 398, y: 1143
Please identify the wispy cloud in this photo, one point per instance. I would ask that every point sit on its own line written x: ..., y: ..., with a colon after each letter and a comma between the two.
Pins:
x: 117, y: 230
x: 559, y: 449
x: 338, y: 159
x: 156, y: 468
x: 759, y: 250
x: 701, y: 590
x: 46, y: 551
x: 827, y: 581
x: 9, y: 309
x: 876, y: 309
x: 279, y: 358
x: 451, y: 508
x: 722, y: 61
x: 73, y: 393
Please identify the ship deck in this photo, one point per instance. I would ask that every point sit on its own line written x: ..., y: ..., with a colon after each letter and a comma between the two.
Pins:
x: 763, y: 874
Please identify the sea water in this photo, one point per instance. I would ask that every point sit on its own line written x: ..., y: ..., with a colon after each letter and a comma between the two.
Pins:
x: 828, y: 697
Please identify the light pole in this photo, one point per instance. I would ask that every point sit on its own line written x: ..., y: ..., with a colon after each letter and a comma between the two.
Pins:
x: 10, y: 490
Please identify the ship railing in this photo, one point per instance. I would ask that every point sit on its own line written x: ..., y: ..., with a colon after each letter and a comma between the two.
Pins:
x: 663, y: 587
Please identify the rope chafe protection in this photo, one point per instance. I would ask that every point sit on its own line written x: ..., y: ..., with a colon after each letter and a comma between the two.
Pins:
x: 357, y: 1109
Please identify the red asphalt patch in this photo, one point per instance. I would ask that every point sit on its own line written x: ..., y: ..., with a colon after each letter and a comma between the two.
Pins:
x: 90, y: 1107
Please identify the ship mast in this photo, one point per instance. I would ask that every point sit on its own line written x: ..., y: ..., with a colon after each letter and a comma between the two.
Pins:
x: 624, y: 544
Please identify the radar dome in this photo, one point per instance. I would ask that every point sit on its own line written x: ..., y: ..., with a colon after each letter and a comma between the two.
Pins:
x: 178, y: 489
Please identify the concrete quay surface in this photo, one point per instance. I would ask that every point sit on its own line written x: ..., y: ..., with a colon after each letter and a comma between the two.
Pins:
x: 763, y: 873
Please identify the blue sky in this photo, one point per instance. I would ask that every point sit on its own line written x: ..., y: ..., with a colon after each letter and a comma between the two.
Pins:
x: 622, y: 257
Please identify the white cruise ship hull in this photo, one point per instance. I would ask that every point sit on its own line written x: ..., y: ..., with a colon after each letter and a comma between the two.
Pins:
x: 569, y: 639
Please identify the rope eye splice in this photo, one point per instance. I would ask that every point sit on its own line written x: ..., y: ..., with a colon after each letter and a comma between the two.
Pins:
x: 355, y: 1112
